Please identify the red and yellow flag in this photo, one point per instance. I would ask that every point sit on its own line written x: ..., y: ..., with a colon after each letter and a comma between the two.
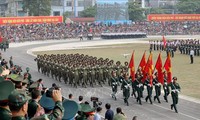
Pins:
x: 149, y: 68
x: 167, y: 67
x: 143, y: 62
x: 159, y: 69
x: 132, y: 67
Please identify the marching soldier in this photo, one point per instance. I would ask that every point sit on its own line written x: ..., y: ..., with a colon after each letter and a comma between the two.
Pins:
x: 157, y: 88
x: 175, y: 89
x: 165, y: 87
x: 126, y: 84
x: 149, y: 89
x: 114, y: 84
x: 11, y: 62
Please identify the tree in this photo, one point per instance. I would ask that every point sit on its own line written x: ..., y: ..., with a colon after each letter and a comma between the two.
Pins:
x: 136, y: 13
x: 189, y: 6
x: 65, y: 15
x: 37, y: 7
x: 89, y: 12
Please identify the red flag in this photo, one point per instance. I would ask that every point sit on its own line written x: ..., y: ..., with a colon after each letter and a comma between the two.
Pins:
x: 164, y: 42
x: 132, y: 67
x: 143, y: 62
x: 149, y: 68
x: 167, y: 67
x: 1, y: 39
x: 159, y: 68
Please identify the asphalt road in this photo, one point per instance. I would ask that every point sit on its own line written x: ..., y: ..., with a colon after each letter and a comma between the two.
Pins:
x: 188, y: 110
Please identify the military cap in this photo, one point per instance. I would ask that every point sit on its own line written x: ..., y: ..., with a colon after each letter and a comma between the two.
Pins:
x: 71, y: 108
x: 18, y: 78
x: 17, y: 99
x: 6, y: 87
x: 27, y: 69
x: 86, y: 108
x: 12, y: 76
x: 174, y: 78
x: 47, y: 102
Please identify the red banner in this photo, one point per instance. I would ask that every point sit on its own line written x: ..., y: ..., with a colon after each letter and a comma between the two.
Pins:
x: 31, y: 19
x: 173, y: 17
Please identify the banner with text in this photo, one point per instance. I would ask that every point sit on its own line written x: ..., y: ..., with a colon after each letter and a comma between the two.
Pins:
x: 173, y: 17
x: 31, y: 20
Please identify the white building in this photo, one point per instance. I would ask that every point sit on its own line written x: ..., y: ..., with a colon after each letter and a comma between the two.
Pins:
x: 74, y: 7
x: 14, y: 8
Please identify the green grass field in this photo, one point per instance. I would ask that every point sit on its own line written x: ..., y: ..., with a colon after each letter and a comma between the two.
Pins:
x: 188, y: 74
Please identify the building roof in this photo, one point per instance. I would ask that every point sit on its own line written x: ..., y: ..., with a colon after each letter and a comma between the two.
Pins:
x: 85, y: 19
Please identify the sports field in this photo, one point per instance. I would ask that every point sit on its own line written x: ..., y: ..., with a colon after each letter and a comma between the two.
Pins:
x: 188, y: 74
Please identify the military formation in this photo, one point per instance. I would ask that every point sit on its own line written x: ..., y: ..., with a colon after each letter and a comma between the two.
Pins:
x: 79, y: 69
x: 184, y: 46
x: 4, y: 45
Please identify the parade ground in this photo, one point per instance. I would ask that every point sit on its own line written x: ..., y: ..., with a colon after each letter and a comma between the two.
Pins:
x: 187, y: 74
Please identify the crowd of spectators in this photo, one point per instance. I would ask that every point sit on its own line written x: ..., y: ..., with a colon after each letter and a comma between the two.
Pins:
x: 46, y: 31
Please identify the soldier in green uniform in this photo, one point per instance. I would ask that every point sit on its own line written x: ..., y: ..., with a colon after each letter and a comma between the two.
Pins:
x: 114, y: 84
x: 126, y: 84
x: 76, y: 75
x: 11, y: 62
x: 175, y: 89
x: 85, y: 77
x: 6, y: 87
x: 28, y: 76
x: 18, y: 105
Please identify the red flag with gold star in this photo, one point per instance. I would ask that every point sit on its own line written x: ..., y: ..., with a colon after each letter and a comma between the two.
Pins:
x: 167, y: 67
x: 132, y: 67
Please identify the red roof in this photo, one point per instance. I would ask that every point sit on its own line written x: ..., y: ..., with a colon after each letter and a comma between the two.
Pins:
x: 85, y: 19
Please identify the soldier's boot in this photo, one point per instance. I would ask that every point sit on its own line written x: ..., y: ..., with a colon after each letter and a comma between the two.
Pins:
x: 165, y: 98
x: 127, y: 103
x: 175, y: 109
x: 125, y: 100
x: 154, y: 98
x: 150, y: 100
x: 146, y: 99
x: 172, y: 106
x: 158, y: 100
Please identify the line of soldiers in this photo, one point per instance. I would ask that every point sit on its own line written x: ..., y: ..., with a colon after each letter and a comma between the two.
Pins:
x: 4, y: 45
x: 83, y: 70
x: 138, y: 87
x: 184, y: 46
x: 79, y: 69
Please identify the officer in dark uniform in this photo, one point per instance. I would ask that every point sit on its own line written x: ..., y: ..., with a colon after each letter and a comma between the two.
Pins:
x: 6, y: 87
x: 126, y: 84
x: 175, y: 89
x: 139, y: 87
x: 114, y: 84
x: 149, y: 89
x: 157, y: 88
x: 165, y: 87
